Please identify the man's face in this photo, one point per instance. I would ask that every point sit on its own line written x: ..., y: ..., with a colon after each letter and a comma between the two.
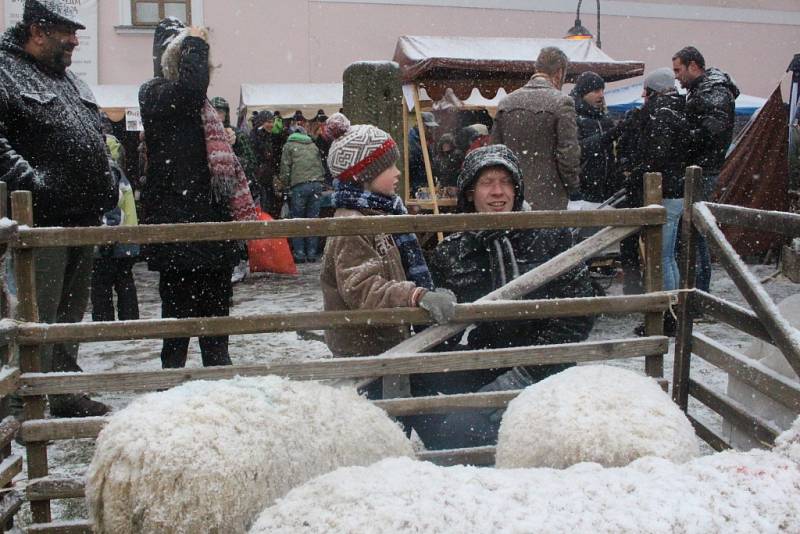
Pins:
x: 493, y: 192
x: 595, y: 98
x: 57, y: 45
x: 685, y: 74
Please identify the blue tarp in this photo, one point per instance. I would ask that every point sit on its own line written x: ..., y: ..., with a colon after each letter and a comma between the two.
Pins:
x: 622, y: 99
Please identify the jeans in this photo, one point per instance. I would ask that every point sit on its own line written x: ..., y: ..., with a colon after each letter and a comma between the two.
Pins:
x: 669, y: 264
x: 305, y: 203
x: 703, y: 276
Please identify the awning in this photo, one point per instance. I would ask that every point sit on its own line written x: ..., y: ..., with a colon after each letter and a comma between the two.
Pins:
x: 463, y: 63
x: 115, y: 99
x: 287, y: 98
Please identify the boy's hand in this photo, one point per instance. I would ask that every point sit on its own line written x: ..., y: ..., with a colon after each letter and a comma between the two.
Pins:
x: 440, y: 304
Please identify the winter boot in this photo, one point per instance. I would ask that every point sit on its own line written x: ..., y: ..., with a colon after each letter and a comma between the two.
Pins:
x: 76, y: 406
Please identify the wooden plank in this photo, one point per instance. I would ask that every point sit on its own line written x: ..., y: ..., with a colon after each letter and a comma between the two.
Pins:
x: 521, y: 286
x: 652, y: 275
x: 708, y: 435
x: 9, y: 468
x: 8, y: 430
x: 406, y: 174
x: 392, y: 224
x: 77, y: 526
x: 32, y: 333
x: 774, y: 222
x: 685, y: 322
x: 470, y: 456
x: 62, y: 429
x: 755, y: 374
x: 9, y: 380
x: 29, y: 357
x: 731, y: 314
x: 447, y: 403
x: 785, y: 337
x: 756, y: 427
x: 435, y: 362
x: 426, y: 157
x: 47, y: 488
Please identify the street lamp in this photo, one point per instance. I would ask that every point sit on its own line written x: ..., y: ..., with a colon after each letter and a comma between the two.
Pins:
x: 579, y: 32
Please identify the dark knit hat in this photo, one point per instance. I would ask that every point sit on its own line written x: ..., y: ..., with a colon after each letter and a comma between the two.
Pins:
x: 587, y: 82
x: 361, y: 153
x: 261, y: 117
x: 478, y: 160
x: 51, y: 12
x: 220, y: 103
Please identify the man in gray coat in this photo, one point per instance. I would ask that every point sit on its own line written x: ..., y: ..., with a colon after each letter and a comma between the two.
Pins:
x: 538, y: 123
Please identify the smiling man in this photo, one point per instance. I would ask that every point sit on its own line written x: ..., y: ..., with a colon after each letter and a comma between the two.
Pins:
x: 51, y: 144
x: 474, y: 263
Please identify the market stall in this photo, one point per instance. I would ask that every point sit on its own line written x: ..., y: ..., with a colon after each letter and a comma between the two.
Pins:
x: 287, y: 98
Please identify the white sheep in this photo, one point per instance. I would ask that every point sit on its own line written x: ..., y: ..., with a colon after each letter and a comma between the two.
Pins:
x: 730, y: 492
x: 209, y: 456
x: 593, y: 413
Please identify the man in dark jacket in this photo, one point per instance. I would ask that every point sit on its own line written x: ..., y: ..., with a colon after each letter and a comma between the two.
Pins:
x: 195, y: 278
x: 596, y: 136
x: 474, y: 263
x: 51, y: 144
x: 710, y: 107
x: 267, y: 156
x: 416, y: 160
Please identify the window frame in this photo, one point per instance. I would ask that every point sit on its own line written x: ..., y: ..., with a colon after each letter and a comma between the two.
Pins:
x: 126, y: 19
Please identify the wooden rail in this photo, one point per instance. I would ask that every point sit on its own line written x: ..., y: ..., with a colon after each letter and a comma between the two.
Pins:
x: 775, y: 222
x: 391, y: 224
x: 731, y: 314
x: 708, y: 435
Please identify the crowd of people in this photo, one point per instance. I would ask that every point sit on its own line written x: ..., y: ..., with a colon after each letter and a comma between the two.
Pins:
x: 543, y: 150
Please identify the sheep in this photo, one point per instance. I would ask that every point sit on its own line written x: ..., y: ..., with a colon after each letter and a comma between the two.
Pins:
x: 594, y: 413
x: 208, y: 456
x: 730, y: 492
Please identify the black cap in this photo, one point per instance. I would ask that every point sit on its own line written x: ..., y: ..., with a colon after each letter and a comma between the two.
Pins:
x: 51, y: 12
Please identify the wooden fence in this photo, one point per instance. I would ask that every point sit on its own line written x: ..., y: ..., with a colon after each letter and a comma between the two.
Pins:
x: 37, y: 431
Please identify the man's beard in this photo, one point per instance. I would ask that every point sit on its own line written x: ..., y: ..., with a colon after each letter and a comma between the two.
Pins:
x: 58, y: 60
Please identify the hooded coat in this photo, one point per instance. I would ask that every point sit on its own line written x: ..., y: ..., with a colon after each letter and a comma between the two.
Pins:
x: 537, y: 122
x: 597, y: 151
x: 178, y: 186
x: 51, y: 142
x: 710, y: 108
x: 300, y: 162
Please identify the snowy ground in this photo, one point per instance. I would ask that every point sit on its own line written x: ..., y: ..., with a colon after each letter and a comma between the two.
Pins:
x: 281, y: 293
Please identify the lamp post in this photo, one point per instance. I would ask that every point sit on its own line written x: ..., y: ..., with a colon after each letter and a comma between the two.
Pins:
x: 579, y: 31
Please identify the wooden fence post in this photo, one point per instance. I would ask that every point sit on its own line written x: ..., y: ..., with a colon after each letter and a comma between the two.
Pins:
x: 653, y: 278
x: 30, y: 356
x: 692, y: 192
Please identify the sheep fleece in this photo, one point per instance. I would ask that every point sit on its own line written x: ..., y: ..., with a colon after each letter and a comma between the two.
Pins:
x: 209, y: 456
x: 593, y: 413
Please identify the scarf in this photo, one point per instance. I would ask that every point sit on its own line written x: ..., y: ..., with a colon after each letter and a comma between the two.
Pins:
x: 353, y: 197
x: 228, y: 181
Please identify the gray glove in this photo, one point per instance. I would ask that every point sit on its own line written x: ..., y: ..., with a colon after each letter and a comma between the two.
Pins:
x: 440, y: 304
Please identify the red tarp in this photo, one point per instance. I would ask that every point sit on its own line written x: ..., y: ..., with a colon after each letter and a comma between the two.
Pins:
x: 756, y: 174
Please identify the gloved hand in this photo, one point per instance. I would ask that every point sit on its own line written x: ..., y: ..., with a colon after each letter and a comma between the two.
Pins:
x: 440, y: 304
x: 575, y: 196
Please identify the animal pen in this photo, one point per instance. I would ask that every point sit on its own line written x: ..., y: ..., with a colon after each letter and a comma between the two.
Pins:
x: 409, y: 357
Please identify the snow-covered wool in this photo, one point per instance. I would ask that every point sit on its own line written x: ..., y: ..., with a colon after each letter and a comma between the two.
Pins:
x: 209, y: 456
x: 593, y: 413
x: 730, y: 492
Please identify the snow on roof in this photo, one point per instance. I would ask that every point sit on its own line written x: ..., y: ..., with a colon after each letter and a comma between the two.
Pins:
x: 630, y: 96
x: 116, y: 96
x: 289, y: 97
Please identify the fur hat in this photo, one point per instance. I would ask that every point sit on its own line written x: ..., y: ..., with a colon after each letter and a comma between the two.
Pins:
x: 361, y: 153
x: 51, y: 12
x: 478, y: 160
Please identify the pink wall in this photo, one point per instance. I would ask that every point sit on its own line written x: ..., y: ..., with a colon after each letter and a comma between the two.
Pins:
x: 313, y: 40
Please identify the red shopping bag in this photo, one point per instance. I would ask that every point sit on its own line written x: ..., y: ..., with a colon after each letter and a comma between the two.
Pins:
x: 270, y: 255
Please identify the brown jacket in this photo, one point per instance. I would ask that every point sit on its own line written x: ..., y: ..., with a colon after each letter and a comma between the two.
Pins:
x: 360, y: 273
x: 537, y: 122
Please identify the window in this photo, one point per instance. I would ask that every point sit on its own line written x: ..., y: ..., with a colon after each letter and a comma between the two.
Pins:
x: 149, y: 12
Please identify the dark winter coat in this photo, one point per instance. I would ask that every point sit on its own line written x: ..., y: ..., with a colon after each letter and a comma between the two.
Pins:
x: 595, y: 136
x: 416, y: 162
x: 50, y: 140
x: 710, y: 108
x: 469, y: 264
x: 324, y: 147
x: 537, y: 122
x: 178, y: 186
x: 663, y: 143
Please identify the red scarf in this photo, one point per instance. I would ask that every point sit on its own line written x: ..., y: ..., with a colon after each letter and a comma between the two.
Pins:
x: 228, y: 181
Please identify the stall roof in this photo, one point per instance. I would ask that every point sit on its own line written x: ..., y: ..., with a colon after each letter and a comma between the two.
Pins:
x: 489, y: 63
x: 624, y: 98
x: 116, y: 96
x: 290, y: 97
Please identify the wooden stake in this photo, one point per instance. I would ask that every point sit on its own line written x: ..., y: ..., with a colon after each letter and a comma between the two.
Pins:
x: 425, y: 155
x: 653, y: 277
x: 30, y: 356
x: 406, y: 174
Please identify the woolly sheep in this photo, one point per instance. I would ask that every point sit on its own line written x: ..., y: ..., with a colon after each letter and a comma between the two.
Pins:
x: 729, y: 492
x: 209, y: 456
x: 594, y: 413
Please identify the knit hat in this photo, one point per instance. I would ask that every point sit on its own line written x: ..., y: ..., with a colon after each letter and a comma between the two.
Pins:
x: 481, y: 158
x: 361, y: 153
x: 660, y: 80
x: 336, y: 125
x: 261, y: 117
x: 220, y: 103
x: 586, y: 83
